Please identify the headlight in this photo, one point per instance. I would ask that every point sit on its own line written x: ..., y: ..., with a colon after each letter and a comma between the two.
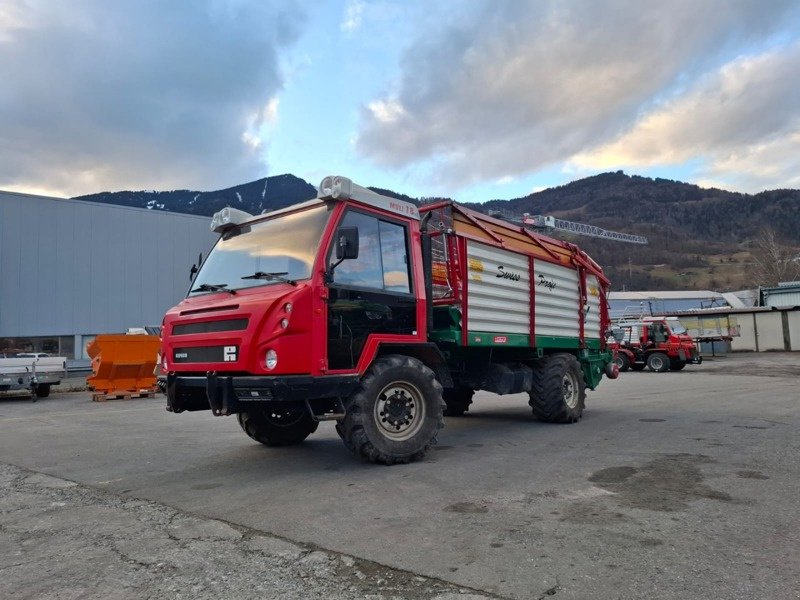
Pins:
x: 272, y: 359
x: 284, y: 323
x: 287, y: 307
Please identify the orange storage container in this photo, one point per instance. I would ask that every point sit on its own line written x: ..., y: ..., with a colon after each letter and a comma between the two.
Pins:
x: 123, y: 364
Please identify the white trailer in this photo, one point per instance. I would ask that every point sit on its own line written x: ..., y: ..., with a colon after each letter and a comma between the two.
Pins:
x: 35, y: 373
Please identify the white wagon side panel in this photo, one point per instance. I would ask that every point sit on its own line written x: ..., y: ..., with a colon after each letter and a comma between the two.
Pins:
x: 498, y: 300
x: 556, y: 300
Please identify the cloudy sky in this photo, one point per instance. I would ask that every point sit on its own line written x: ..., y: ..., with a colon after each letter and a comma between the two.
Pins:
x: 465, y: 98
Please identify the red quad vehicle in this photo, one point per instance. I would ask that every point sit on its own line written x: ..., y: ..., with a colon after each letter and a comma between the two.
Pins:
x: 369, y: 311
x: 660, y: 344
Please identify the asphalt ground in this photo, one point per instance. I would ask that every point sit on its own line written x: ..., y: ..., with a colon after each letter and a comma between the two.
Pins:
x: 674, y: 485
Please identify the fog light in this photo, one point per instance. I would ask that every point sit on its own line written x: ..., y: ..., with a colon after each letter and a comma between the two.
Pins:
x: 287, y: 307
x: 284, y: 323
x: 272, y: 359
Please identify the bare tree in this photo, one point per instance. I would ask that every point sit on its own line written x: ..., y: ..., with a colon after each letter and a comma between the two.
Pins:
x: 773, y: 261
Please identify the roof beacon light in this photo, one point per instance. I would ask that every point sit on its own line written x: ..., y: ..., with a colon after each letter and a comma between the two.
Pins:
x: 336, y: 187
x: 228, y: 217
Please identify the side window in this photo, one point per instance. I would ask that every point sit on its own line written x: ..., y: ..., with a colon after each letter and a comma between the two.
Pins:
x: 395, y: 257
x: 382, y: 261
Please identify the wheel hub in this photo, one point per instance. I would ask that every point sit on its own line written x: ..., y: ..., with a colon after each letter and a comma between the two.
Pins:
x: 283, y: 416
x: 569, y: 390
x: 398, y: 411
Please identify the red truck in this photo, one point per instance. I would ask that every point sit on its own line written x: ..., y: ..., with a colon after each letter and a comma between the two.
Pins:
x: 369, y: 311
x: 660, y: 344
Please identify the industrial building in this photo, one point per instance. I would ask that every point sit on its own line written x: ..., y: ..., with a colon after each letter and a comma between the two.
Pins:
x: 72, y: 269
x: 787, y: 293
x: 656, y: 303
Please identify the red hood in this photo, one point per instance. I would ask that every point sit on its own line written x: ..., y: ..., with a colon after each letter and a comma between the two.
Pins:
x: 249, y: 320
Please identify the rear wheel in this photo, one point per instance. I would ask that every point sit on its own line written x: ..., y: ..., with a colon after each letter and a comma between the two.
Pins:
x: 281, y: 424
x: 457, y: 401
x: 559, y: 390
x: 395, y: 414
x: 622, y: 362
x: 677, y: 365
x: 658, y: 362
x: 43, y: 390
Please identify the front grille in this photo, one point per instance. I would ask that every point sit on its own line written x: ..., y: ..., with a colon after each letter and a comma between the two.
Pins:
x: 205, y: 354
x: 210, y: 327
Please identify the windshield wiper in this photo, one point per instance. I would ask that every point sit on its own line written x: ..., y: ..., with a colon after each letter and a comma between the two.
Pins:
x: 276, y: 276
x: 214, y: 287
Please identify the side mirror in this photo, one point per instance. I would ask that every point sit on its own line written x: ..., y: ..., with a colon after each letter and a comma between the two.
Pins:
x: 346, y: 243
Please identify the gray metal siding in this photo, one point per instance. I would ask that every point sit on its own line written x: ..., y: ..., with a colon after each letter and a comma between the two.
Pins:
x: 71, y: 267
x: 789, y: 296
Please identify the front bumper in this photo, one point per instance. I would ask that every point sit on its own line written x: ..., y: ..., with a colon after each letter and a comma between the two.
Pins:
x: 232, y: 394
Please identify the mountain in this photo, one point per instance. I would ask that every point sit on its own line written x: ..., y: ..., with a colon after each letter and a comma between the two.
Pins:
x: 643, y: 205
x: 268, y: 193
x: 699, y: 238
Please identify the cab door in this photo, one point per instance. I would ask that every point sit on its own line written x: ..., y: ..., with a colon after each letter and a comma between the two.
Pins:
x: 372, y: 294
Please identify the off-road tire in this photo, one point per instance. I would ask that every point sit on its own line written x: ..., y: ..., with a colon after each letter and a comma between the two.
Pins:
x: 658, y: 362
x: 281, y: 425
x: 43, y: 390
x: 676, y: 365
x: 457, y: 401
x: 397, y: 383
x: 622, y: 362
x: 559, y: 390
x: 638, y: 366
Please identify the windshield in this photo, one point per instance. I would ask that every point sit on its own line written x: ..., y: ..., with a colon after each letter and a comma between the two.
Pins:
x: 677, y: 328
x: 285, y: 246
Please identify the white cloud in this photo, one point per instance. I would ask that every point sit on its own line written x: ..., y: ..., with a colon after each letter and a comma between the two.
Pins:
x: 386, y: 111
x: 743, y: 121
x: 126, y: 95
x: 353, y: 15
x: 507, y: 88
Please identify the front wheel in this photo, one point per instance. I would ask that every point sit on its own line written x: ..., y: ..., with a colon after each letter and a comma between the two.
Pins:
x: 658, y: 362
x: 395, y: 414
x: 43, y: 390
x: 677, y: 365
x: 559, y: 390
x: 281, y: 424
x: 621, y: 360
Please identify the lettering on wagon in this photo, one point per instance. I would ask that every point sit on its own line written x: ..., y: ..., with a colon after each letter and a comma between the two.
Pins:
x: 547, y: 283
x: 507, y: 274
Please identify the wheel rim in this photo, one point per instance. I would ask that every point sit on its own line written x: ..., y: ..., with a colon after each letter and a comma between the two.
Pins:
x: 618, y: 362
x: 657, y: 363
x: 399, y: 411
x: 569, y: 390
